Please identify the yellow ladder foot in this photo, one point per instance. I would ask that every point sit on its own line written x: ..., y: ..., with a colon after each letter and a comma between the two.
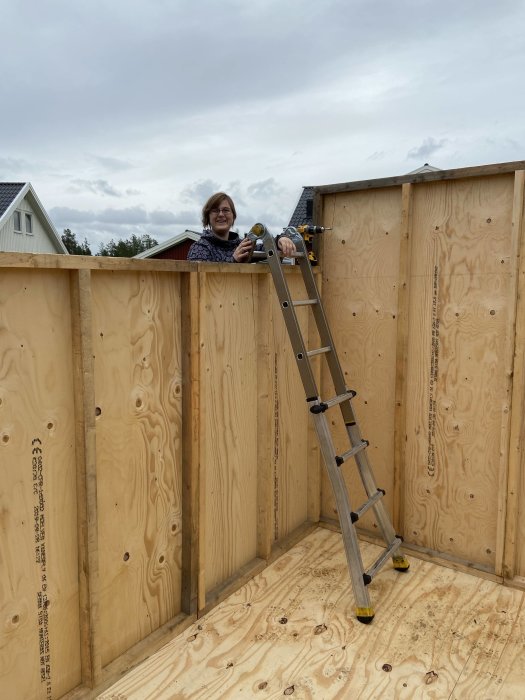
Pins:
x: 400, y: 563
x: 365, y: 615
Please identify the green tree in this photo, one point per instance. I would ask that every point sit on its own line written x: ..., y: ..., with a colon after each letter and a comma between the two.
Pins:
x: 69, y: 239
x: 128, y: 247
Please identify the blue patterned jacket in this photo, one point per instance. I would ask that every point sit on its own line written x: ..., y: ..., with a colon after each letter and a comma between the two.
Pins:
x: 211, y: 248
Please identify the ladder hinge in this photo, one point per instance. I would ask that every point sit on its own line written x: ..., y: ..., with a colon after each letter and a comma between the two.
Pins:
x: 339, y: 460
x: 319, y: 408
x: 354, y: 517
x: 367, y: 579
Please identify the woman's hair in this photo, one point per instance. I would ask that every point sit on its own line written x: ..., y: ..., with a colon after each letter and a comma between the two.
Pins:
x: 214, y: 203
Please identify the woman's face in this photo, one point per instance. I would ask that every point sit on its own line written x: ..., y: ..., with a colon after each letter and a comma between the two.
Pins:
x: 221, y: 219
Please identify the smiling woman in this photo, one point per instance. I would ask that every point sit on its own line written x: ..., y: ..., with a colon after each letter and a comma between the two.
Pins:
x: 218, y: 242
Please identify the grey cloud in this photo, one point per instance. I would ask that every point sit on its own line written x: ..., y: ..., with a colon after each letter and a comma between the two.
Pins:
x: 128, y: 217
x: 302, y: 116
x: 271, y: 218
x: 67, y: 215
x: 113, y: 164
x: 97, y: 187
x: 509, y: 143
x: 80, y: 92
x: 234, y: 189
x: 200, y: 191
x: 166, y: 218
x: 13, y: 165
x: 427, y: 148
x: 264, y: 189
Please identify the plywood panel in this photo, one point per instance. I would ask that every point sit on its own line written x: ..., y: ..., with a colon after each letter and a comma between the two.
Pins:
x: 39, y: 603
x: 514, y: 560
x: 229, y: 377
x: 360, y: 278
x: 291, y: 631
x: 289, y: 454
x: 461, y: 297
x: 136, y: 340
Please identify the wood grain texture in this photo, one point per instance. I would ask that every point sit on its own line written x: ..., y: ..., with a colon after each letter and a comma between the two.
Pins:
x: 417, y: 178
x: 85, y: 452
x: 505, y: 504
x: 360, y: 294
x: 459, y: 310
x: 514, y: 556
x: 229, y: 367
x: 290, y: 447
x: 39, y: 596
x: 401, y: 398
x: 291, y: 631
x: 136, y: 340
x: 191, y: 423
x: 265, y: 419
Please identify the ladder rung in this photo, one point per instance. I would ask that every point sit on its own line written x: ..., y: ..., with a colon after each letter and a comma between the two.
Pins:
x: 323, y: 405
x: 304, y: 302
x: 351, y: 453
x: 319, y: 351
x: 355, y: 515
x: 386, y: 554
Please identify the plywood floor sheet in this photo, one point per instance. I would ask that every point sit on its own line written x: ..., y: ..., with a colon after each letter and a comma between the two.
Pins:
x: 291, y: 631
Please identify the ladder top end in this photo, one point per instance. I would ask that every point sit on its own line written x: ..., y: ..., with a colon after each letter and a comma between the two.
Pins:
x: 258, y: 229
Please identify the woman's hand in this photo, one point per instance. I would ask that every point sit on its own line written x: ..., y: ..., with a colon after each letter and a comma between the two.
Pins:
x: 244, y: 251
x: 287, y: 246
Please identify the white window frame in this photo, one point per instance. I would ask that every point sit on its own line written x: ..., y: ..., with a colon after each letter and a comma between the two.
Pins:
x: 29, y: 220
x: 17, y: 215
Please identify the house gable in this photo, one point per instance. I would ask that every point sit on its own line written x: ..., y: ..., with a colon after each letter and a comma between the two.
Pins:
x: 24, y: 224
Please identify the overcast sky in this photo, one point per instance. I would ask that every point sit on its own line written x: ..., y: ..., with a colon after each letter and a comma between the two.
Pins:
x: 126, y: 114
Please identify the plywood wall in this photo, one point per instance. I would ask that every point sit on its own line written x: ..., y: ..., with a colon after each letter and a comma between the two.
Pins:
x: 138, y: 393
x: 155, y: 445
x: 360, y: 293
x: 421, y: 282
x: 229, y: 379
x: 248, y: 375
x: 461, y: 304
x: 39, y: 598
x: 154, y: 449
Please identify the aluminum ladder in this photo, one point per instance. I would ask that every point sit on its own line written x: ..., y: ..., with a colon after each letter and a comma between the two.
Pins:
x: 318, y: 407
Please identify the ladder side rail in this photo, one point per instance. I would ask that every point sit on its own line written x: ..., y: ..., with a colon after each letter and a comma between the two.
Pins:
x: 327, y: 339
x: 290, y: 317
x: 368, y: 481
x: 359, y: 578
x: 354, y: 433
x: 342, y: 501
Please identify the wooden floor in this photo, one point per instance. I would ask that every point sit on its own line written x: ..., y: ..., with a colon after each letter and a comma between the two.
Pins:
x: 438, y: 633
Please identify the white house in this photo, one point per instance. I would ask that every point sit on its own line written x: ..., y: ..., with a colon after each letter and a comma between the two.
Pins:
x: 24, y: 225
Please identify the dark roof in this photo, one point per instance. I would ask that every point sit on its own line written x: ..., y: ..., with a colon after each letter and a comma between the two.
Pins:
x: 8, y: 192
x: 300, y: 215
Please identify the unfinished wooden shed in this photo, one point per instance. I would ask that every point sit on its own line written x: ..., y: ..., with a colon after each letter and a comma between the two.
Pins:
x: 161, y: 483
